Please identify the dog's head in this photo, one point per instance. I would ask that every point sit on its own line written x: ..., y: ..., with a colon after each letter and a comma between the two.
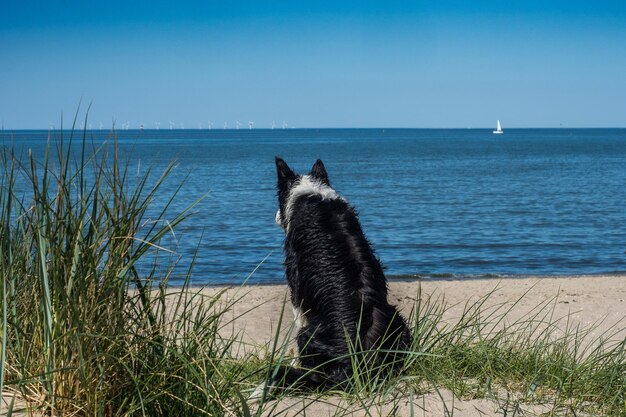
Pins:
x: 291, y: 186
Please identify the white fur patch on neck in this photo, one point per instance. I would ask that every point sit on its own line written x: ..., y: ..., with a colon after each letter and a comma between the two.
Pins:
x: 306, y: 185
x: 278, y: 219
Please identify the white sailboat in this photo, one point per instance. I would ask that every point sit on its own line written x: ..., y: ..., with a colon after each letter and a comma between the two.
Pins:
x: 498, y: 130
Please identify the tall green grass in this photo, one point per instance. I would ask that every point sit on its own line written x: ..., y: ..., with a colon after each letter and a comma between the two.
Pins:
x: 86, y: 328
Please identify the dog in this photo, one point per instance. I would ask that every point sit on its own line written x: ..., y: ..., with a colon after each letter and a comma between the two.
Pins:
x: 337, y: 285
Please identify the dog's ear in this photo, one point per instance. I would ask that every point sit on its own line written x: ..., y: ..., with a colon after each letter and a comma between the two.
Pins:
x: 285, y: 174
x: 319, y: 172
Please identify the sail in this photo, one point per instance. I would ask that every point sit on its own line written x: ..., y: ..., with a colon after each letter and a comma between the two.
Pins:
x: 498, y: 128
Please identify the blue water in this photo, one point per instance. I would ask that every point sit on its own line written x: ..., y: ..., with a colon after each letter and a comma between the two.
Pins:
x: 433, y: 202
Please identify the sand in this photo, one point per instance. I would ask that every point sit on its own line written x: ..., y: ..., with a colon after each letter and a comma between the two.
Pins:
x: 591, y: 300
x: 598, y: 301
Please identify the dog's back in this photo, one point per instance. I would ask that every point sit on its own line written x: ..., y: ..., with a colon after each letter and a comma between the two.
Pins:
x: 337, y: 283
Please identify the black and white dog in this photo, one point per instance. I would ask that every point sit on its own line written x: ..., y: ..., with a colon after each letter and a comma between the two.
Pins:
x: 338, y: 288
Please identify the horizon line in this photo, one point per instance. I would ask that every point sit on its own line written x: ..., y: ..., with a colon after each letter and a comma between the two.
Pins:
x: 80, y: 129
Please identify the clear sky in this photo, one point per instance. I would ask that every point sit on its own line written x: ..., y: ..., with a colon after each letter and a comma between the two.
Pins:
x: 316, y: 63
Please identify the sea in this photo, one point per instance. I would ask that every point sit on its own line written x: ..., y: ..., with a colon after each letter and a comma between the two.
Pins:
x: 434, y: 203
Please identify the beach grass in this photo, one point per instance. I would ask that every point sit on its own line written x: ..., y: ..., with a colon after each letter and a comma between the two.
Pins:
x: 540, y: 357
x: 538, y: 364
x: 86, y: 328
x: 90, y: 325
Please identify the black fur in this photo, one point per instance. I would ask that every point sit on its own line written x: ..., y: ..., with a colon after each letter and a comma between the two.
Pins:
x: 338, y: 283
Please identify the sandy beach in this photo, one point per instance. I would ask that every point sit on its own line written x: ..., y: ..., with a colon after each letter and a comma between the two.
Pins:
x: 592, y: 300
x: 598, y: 301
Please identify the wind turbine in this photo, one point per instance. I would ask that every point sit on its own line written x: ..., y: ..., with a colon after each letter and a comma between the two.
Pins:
x: 225, y: 125
x: 101, y: 125
x: 273, y: 124
x: 172, y: 125
x: 158, y: 125
x: 284, y: 124
x: 210, y: 124
x: 250, y: 124
x: 238, y: 124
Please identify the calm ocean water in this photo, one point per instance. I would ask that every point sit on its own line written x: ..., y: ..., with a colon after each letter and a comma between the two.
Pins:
x: 433, y: 202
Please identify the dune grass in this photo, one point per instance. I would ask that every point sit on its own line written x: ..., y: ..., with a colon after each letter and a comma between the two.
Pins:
x: 539, y: 363
x: 86, y: 329
x: 539, y: 357
x: 90, y: 325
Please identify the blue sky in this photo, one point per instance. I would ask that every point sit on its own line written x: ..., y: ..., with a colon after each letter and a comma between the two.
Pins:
x: 315, y: 64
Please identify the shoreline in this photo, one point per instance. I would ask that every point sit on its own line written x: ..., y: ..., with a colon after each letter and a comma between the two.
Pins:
x: 467, y: 277
x: 420, y: 278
